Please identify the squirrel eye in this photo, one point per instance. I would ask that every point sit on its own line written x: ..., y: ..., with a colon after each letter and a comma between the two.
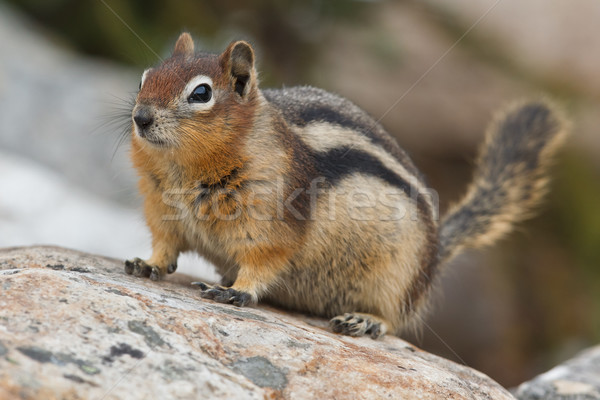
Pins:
x: 201, y: 94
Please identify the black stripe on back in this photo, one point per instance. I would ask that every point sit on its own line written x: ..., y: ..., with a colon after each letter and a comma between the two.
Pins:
x: 337, y: 163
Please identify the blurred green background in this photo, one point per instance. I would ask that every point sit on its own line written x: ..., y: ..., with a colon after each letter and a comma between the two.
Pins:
x: 511, y: 311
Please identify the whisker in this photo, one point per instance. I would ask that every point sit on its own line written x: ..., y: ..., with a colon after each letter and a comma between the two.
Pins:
x: 116, y: 118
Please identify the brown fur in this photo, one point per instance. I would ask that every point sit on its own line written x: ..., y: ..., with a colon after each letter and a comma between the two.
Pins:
x: 304, y: 243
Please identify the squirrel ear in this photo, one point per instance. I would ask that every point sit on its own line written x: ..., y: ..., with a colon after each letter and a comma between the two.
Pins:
x: 238, y: 60
x: 184, y: 45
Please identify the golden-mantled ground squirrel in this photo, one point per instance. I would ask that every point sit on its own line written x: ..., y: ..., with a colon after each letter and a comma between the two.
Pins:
x: 301, y: 199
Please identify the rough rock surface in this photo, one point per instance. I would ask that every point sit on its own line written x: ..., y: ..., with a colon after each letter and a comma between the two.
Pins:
x: 578, y: 378
x: 74, y: 326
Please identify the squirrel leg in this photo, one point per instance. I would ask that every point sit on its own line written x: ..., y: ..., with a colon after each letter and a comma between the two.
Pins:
x: 167, y: 239
x: 359, y: 324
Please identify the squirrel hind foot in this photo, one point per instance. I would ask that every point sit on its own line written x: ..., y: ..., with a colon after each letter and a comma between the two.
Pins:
x: 359, y: 324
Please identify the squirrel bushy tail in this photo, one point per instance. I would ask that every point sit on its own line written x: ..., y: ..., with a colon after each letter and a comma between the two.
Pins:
x: 511, y: 178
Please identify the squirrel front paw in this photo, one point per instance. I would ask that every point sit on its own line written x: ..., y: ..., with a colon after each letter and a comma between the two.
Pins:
x: 139, y: 267
x: 222, y: 294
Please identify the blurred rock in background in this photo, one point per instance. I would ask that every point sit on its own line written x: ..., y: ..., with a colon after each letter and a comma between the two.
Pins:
x: 511, y: 311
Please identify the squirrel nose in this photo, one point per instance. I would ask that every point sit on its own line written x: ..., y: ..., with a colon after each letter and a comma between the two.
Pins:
x: 143, y: 118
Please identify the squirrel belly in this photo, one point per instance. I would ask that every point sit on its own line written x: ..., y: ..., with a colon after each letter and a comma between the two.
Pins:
x: 301, y: 199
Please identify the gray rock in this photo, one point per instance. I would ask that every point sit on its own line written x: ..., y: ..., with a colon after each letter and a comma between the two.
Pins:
x: 87, y: 330
x: 576, y: 379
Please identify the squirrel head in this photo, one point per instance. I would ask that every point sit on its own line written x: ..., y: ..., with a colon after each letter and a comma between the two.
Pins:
x: 197, y: 103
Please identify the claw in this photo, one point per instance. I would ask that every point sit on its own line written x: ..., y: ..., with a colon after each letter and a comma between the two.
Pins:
x: 129, y: 267
x: 242, y: 299
x: 209, y: 294
x: 154, y: 274
x: 142, y: 269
